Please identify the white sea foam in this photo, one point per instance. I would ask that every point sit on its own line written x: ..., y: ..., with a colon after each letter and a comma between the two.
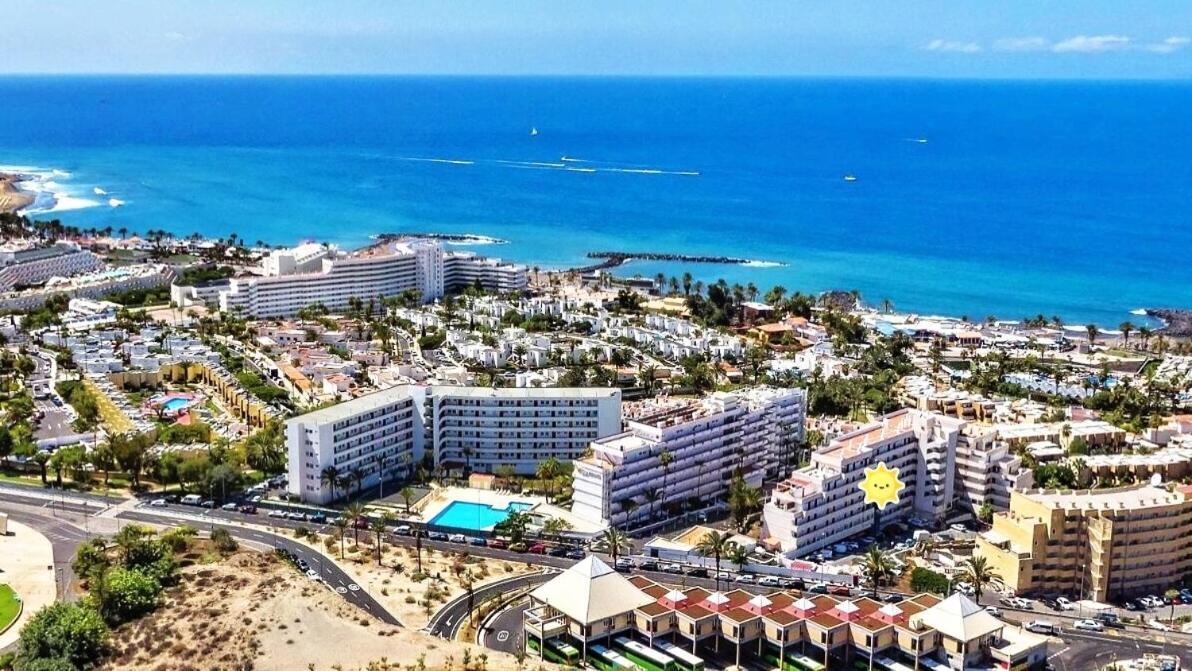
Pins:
x: 451, y: 161
x: 568, y: 159
x: 99, y: 192
x: 763, y: 264
x: 60, y: 173
x: 471, y: 239
x: 49, y: 195
x: 580, y: 169
x: 1139, y: 311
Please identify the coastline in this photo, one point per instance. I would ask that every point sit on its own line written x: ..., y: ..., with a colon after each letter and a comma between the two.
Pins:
x: 12, y: 197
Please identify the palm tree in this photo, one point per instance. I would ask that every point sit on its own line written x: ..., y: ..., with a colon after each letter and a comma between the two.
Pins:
x: 357, y: 476
x: 406, y: 494
x: 378, y: 528
x: 977, y: 572
x: 665, y: 459
x: 737, y: 555
x: 354, y: 512
x: 1126, y: 328
x: 653, y: 496
x: 556, y: 526
x: 876, y: 565
x: 612, y: 542
x: 330, y: 477
x: 341, y: 525
x: 548, y: 470
x: 714, y: 544
x: 1090, y: 330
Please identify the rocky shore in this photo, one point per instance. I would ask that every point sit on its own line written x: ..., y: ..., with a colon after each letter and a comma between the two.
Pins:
x: 12, y: 198
x: 1176, y: 323
x: 614, y: 259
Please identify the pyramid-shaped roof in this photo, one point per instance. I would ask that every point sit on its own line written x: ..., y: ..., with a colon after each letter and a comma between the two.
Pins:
x: 590, y: 591
x: 960, y: 618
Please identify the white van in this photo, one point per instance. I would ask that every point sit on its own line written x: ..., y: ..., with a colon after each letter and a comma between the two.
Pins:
x: 1042, y: 627
x: 191, y: 500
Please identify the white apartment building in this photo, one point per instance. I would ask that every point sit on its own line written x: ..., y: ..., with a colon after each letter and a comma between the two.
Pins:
x: 379, y: 434
x: 821, y: 505
x: 34, y: 265
x: 484, y: 428
x: 986, y: 470
x: 296, y: 278
x: 458, y: 426
x: 625, y: 483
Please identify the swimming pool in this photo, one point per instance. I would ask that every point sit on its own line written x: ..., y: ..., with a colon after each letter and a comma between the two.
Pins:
x: 475, y: 516
x: 175, y: 403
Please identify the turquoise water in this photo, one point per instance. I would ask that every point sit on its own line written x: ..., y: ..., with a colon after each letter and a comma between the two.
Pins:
x: 475, y: 516
x: 176, y: 403
x: 971, y: 197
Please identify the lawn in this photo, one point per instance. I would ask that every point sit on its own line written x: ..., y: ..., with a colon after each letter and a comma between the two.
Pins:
x: 10, y: 606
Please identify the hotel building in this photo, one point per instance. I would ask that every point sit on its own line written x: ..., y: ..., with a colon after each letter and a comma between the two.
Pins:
x: 35, y: 265
x: 295, y: 278
x: 986, y: 470
x: 593, y: 615
x: 625, y: 481
x: 821, y: 505
x: 1099, y: 544
x: 458, y: 426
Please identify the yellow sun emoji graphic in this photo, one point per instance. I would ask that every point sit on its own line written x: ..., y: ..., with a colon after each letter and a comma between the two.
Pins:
x: 881, y: 486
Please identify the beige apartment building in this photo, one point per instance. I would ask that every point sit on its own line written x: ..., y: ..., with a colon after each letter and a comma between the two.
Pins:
x: 1092, y: 544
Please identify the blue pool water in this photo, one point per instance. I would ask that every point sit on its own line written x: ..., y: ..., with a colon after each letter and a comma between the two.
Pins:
x: 175, y: 404
x: 475, y: 516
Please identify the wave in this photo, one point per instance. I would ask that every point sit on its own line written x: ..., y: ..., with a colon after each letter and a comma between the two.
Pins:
x: 532, y: 164
x: 1141, y: 312
x: 450, y: 161
x: 763, y: 264
x: 568, y: 159
x: 49, y: 195
x: 580, y: 169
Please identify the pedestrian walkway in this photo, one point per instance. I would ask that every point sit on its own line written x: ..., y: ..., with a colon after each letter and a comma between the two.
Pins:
x: 26, y: 565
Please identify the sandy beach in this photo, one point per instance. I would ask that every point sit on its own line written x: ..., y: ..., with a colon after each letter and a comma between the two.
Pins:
x: 12, y: 198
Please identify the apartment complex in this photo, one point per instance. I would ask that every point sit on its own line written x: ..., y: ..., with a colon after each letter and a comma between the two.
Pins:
x: 302, y: 276
x: 628, y: 482
x: 483, y: 428
x: 987, y: 471
x: 1093, y: 544
x: 32, y: 266
x: 821, y: 505
x: 386, y: 433
x: 591, y: 614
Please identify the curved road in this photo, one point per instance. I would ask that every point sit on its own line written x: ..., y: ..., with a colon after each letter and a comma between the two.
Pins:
x: 451, y: 617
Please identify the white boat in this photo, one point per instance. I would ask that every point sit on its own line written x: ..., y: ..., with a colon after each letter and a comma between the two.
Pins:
x: 533, y: 131
x: 115, y: 202
x: 850, y: 178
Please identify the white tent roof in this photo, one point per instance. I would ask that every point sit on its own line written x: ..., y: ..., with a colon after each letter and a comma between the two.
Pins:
x: 959, y: 618
x: 804, y: 604
x: 717, y: 598
x: 590, y: 591
x: 890, y: 610
x: 675, y: 596
x: 760, y: 601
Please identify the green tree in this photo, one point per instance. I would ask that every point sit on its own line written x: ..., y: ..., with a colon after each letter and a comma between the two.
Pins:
x: 716, y: 545
x: 127, y: 594
x: 72, y: 632
x: 513, y: 527
x: 977, y: 572
x: 876, y: 566
x: 612, y: 542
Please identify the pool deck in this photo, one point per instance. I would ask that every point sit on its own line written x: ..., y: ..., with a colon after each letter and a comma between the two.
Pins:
x: 438, y: 500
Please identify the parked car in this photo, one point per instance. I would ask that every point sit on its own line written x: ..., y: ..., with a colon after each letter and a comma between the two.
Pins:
x: 744, y: 578
x: 648, y: 565
x: 1155, y: 624
x: 671, y: 568
x: 320, y: 518
x: 228, y: 506
x: 207, y: 504
x: 1089, y: 625
x: 994, y: 611
x: 436, y: 535
x: 158, y: 503
x: 457, y: 538
x: 576, y: 553
x: 1064, y: 603
x: 277, y: 513
x: 624, y: 564
x: 403, y: 530
x: 695, y: 571
x: 557, y: 551
x: 768, y: 581
x: 477, y: 541
x: 517, y: 547
x: 247, y: 509
x: 192, y: 500
x: 537, y: 548
x: 498, y: 543
x: 1042, y: 627
x: 818, y: 589
x: 840, y: 590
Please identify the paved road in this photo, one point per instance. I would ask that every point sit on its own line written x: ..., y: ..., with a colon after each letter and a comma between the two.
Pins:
x: 65, y: 538
x: 452, y: 616
x: 504, y: 631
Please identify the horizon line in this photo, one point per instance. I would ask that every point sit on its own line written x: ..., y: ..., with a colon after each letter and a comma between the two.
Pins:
x: 548, y: 75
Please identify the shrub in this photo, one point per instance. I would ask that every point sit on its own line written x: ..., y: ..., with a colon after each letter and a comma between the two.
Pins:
x: 71, y: 632
x: 926, y: 580
x: 223, y: 541
x: 127, y: 594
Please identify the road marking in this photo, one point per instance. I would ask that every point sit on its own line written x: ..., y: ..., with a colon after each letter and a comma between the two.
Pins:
x: 502, y: 636
x: 1051, y: 657
x: 353, y: 587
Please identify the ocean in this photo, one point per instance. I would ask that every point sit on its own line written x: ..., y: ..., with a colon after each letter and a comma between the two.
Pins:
x: 970, y: 197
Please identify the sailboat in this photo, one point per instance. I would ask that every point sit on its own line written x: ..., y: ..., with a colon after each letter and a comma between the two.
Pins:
x: 533, y: 131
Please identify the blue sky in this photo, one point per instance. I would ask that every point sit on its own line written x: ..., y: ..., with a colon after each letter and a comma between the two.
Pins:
x: 916, y: 38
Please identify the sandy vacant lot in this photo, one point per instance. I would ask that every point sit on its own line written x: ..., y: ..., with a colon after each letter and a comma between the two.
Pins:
x: 395, y: 581
x: 254, y: 611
